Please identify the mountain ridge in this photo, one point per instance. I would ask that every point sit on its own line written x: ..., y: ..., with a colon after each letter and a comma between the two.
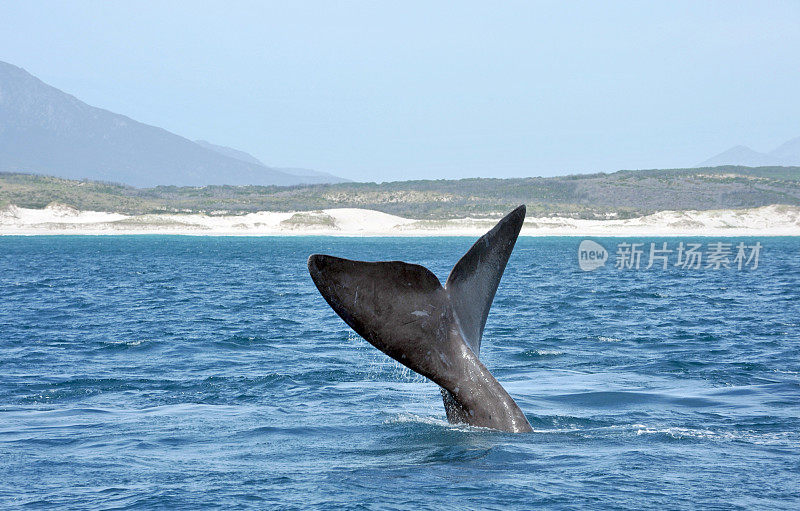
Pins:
x: 306, y: 176
x: 786, y: 154
x: 48, y: 131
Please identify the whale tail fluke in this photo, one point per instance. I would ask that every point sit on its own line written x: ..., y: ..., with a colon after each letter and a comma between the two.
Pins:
x: 403, y: 310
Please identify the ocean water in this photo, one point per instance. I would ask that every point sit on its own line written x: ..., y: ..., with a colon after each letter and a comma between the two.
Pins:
x: 207, y: 372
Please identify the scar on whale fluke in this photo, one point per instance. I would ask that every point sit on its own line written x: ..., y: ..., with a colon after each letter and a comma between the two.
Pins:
x: 403, y: 310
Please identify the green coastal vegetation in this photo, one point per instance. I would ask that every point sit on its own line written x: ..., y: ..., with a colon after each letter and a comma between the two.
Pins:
x: 621, y: 194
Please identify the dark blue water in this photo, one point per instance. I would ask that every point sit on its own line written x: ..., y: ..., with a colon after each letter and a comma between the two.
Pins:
x: 185, y: 373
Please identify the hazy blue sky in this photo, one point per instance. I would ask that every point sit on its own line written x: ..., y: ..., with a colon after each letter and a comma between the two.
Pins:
x: 385, y: 91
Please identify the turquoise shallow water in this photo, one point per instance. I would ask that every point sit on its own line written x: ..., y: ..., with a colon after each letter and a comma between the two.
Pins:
x: 184, y: 373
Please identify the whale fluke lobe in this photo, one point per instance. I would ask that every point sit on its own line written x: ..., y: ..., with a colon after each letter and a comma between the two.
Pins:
x: 473, y: 281
x: 399, y: 308
x: 403, y: 310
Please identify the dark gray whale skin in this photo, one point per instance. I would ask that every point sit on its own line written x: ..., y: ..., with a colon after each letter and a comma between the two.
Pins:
x: 403, y: 310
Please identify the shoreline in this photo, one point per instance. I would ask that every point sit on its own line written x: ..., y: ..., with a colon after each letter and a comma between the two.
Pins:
x: 775, y: 220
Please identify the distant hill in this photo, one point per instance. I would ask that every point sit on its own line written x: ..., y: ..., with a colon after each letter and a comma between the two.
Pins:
x: 44, y: 130
x: 787, y: 153
x: 313, y: 176
x: 305, y: 176
x: 230, y: 152
x: 598, y: 196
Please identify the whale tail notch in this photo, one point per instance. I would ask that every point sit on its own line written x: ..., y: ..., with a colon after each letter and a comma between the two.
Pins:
x: 403, y: 310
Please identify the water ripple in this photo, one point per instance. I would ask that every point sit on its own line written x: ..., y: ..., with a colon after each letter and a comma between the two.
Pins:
x: 184, y: 373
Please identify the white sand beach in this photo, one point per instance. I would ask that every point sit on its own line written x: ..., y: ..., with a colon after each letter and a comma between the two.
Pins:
x: 777, y: 220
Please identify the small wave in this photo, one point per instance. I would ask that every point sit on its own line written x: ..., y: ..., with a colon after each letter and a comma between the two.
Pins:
x: 124, y: 344
x: 780, y: 438
x: 412, y: 418
x: 539, y: 353
x: 408, y: 417
x: 557, y: 430
x: 679, y: 432
x: 240, y: 342
x: 608, y: 339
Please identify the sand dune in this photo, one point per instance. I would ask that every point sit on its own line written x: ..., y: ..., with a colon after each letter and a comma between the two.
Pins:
x: 775, y: 220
